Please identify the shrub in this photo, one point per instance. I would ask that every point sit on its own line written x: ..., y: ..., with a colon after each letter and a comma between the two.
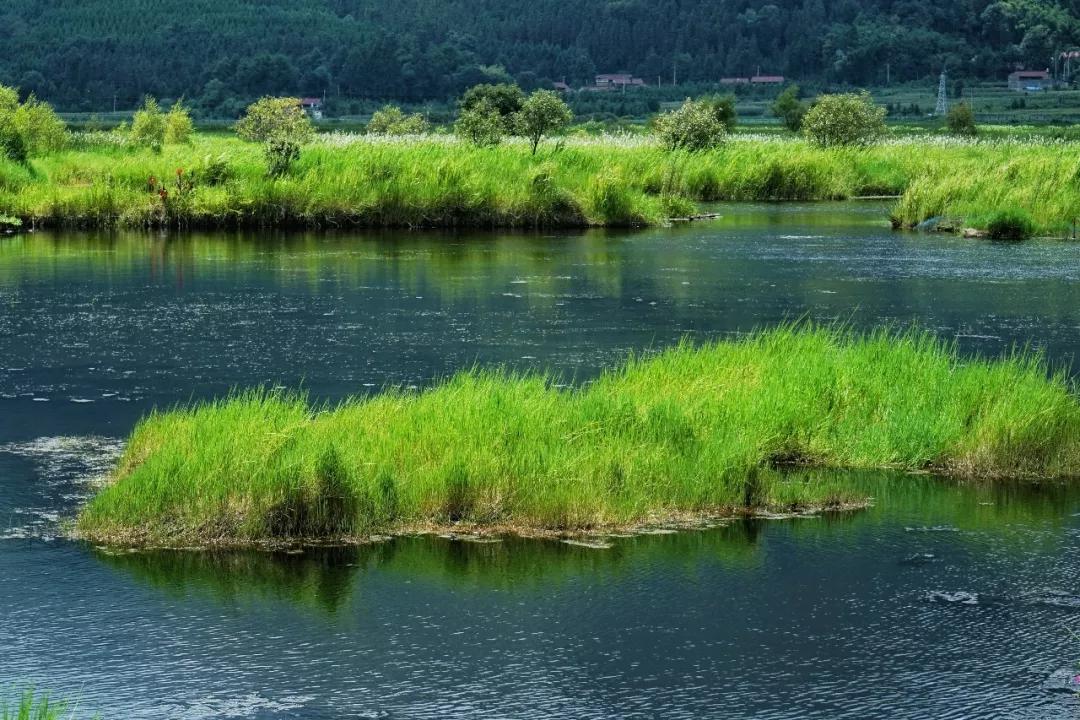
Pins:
x: 28, y: 128
x: 178, y: 124
x: 12, y: 144
x: 282, y: 126
x: 724, y: 108
x: 504, y: 98
x: 694, y: 126
x: 148, y: 126
x: 789, y: 109
x: 390, y: 120
x: 961, y: 120
x: 542, y: 114
x: 1010, y: 224
x: 481, y: 125
x: 850, y: 119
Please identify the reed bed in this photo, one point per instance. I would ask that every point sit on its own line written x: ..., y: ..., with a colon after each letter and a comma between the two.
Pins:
x: 690, y: 432
x: 437, y: 181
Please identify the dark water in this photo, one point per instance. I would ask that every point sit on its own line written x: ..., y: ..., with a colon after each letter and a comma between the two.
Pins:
x: 940, y: 602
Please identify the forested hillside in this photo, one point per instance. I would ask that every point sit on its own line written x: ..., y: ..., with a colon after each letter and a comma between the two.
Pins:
x: 82, y: 55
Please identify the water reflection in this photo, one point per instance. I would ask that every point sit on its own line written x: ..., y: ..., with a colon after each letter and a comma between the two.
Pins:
x: 327, y: 579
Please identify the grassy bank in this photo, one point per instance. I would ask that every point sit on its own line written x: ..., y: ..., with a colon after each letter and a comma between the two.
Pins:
x: 692, y: 431
x: 607, y: 181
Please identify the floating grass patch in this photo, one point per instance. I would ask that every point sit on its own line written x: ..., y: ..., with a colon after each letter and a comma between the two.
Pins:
x: 695, y: 430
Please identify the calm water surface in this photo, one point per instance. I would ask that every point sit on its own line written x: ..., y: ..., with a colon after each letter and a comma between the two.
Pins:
x: 940, y: 602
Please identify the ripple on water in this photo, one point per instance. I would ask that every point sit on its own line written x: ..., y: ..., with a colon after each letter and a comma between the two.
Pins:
x: 69, y: 468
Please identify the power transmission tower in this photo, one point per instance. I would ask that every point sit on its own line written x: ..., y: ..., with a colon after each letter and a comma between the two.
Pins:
x: 942, y: 97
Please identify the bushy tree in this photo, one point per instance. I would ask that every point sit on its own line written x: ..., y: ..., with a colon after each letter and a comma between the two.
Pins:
x: 694, y: 126
x: 543, y: 113
x: 148, y: 125
x: 28, y: 128
x: 506, y: 99
x: 789, y: 109
x: 724, y: 108
x: 961, y: 120
x: 282, y: 126
x: 178, y: 124
x: 390, y: 120
x: 482, y: 125
x: 846, y: 120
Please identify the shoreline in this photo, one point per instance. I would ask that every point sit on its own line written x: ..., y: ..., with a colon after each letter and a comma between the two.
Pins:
x: 479, y: 532
x: 425, y: 183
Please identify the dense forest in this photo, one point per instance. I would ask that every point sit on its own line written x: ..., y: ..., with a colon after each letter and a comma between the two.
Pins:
x: 92, y: 54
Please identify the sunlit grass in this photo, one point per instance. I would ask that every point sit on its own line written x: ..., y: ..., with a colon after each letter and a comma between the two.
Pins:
x: 31, y: 705
x: 436, y: 181
x: 694, y: 430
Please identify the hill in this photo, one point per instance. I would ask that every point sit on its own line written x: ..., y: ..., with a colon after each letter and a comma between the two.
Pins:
x: 218, y: 53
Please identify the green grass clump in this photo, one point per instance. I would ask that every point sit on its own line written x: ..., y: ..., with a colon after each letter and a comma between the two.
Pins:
x: 30, y: 705
x: 1010, y: 225
x: 693, y: 430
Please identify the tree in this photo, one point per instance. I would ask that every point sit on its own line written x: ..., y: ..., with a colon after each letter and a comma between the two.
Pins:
x: 724, y: 108
x: 28, y: 128
x: 850, y: 119
x: 148, y: 125
x: 544, y: 113
x: 482, y: 125
x: 282, y: 126
x: 390, y: 120
x: 789, y: 109
x: 961, y: 120
x: 504, y: 98
x: 178, y: 124
x: 694, y: 126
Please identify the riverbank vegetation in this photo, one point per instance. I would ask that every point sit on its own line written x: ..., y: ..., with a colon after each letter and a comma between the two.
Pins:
x: 495, y: 171
x: 694, y: 431
x: 103, y: 180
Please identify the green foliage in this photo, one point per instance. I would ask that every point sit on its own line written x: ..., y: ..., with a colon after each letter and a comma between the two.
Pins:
x: 724, y: 108
x: 433, y: 181
x: 390, y: 120
x: 28, y: 128
x: 282, y: 126
x: 33, y: 706
x: 178, y: 125
x: 12, y: 143
x: 79, y: 54
x: 505, y: 99
x: 482, y: 125
x: 789, y: 109
x: 544, y: 113
x: 691, y: 430
x: 847, y: 120
x: 148, y: 126
x: 694, y: 126
x: 961, y: 120
x: 1010, y: 224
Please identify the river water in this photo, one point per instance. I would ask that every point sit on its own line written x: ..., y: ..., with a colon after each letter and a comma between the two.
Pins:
x: 940, y: 601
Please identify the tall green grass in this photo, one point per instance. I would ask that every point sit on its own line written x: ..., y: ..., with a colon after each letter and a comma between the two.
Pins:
x: 693, y: 430
x: 434, y: 182
x: 30, y: 705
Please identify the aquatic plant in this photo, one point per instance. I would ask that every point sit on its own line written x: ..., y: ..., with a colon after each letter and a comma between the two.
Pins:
x: 695, y: 430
